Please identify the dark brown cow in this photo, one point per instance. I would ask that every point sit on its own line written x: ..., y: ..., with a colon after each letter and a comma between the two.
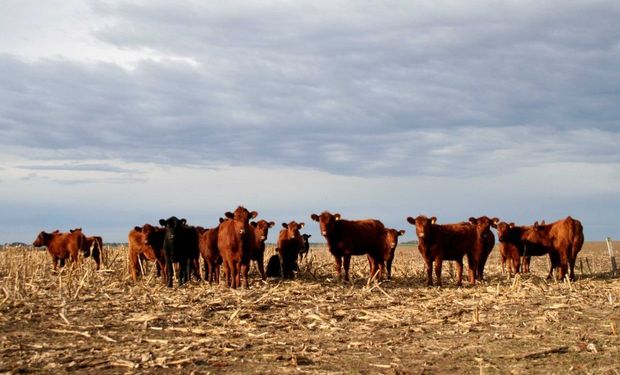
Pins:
x: 485, y: 242
x: 62, y: 246
x: 93, y: 246
x: 290, y: 243
x: 146, y: 242
x: 210, y: 253
x: 353, y: 237
x: 391, y: 241
x: 515, y: 250
x: 306, y: 250
x: 563, y: 238
x: 261, y: 231
x: 234, y: 240
x: 446, y: 242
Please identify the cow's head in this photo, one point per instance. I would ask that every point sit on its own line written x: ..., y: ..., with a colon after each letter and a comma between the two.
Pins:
x: 483, y: 225
x: 42, y: 239
x: 327, y: 222
x: 243, y: 216
x: 537, y: 233
x: 261, y: 228
x: 173, y: 226
x: 391, y: 237
x: 422, y: 226
x: 150, y: 233
x: 504, y: 231
x: 305, y: 237
x: 292, y: 229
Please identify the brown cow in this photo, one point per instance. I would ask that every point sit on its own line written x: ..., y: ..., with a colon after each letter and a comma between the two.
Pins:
x: 93, y: 246
x: 353, y: 237
x: 391, y: 241
x: 446, y: 242
x: 290, y: 243
x: 563, y: 238
x: 62, y: 246
x: 146, y: 242
x: 485, y: 242
x: 261, y: 231
x: 210, y: 254
x: 514, y: 249
x: 235, y: 240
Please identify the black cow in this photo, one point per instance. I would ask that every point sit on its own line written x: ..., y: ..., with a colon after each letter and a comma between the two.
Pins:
x: 180, y: 246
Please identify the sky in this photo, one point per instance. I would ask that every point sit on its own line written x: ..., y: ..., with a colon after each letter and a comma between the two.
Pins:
x: 119, y: 113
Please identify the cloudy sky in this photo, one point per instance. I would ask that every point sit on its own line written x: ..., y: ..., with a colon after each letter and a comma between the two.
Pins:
x: 119, y: 113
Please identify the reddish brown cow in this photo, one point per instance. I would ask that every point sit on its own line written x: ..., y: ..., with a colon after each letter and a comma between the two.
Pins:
x: 234, y: 240
x: 563, y: 238
x: 514, y: 249
x: 62, y: 246
x: 261, y: 231
x: 485, y: 242
x: 210, y: 253
x: 290, y: 243
x: 146, y: 242
x: 353, y: 237
x: 93, y: 246
x: 391, y: 241
x: 446, y: 242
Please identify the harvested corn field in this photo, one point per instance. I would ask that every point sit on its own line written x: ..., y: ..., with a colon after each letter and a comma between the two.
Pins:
x: 101, y: 321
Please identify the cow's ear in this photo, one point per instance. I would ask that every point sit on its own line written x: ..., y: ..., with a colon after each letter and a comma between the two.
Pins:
x: 162, y: 222
x: 183, y: 221
x: 222, y: 220
x: 301, y: 225
x: 308, y: 235
x: 401, y: 232
x: 137, y: 229
x: 494, y: 222
x: 285, y: 225
x: 511, y: 225
x: 271, y: 224
x: 253, y: 214
x: 473, y: 220
x: 229, y: 215
x: 542, y: 222
x: 433, y: 220
x: 314, y: 217
x: 337, y: 216
x: 253, y: 223
x: 410, y: 220
x: 536, y: 224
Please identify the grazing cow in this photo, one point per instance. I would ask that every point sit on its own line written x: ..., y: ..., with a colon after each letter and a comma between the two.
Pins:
x: 391, y: 241
x: 210, y: 253
x: 180, y: 246
x: 93, y: 246
x: 146, y: 243
x: 353, y: 237
x: 306, y: 249
x: 485, y: 242
x: 62, y: 246
x: 446, y: 242
x: 290, y: 243
x: 563, y: 239
x: 261, y: 231
x: 235, y: 240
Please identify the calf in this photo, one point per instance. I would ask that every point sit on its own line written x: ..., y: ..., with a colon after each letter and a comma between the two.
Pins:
x: 353, y: 237
x: 290, y: 243
x: 93, y: 246
x: 180, y: 246
x: 306, y: 249
x: 563, y: 239
x: 62, y: 246
x: 261, y: 231
x: 391, y: 241
x: 235, y: 240
x: 146, y: 243
x: 445, y: 242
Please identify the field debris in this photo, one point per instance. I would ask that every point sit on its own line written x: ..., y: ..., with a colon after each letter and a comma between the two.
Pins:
x: 103, y: 322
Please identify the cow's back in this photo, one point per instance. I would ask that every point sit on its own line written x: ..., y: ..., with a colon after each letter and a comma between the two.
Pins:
x: 360, y: 236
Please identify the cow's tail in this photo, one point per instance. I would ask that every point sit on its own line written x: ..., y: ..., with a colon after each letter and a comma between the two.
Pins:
x: 577, y: 237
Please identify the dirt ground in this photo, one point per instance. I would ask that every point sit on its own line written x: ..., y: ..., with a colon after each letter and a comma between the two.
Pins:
x: 91, y: 321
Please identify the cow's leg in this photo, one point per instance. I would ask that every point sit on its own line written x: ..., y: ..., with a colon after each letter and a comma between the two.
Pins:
x: 459, y: 272
x: 338, y: 266
x: 244, y: 272
x: 472, y: 269
x: 169, y: 272
x: 347, y: 265
x: 389, y: 267
x: 217, y: 272
x: 260, y: 260
x: 438, y: 265
x: 55, y: 262
x: 134, y: 266
x: 525, y: 262
x: 97, y: 256
x: 429, y: 271
x: 564, y: 261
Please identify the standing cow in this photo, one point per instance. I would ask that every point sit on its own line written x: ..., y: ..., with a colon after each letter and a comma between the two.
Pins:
x: 180, y: 246
x: 261, y: 231
x: 146, y: 243
x: 306, y: 249
x: 235, y: 240
x: 62, y: 246
x: 210, y: 253
x: 485, y: 240
x: 93, y: 246
x: 353, y: 237
x: 564, y: 239
x: 290, y: 243
x: 446, y: 242
x: 514, y: 248
x: 391, y: 241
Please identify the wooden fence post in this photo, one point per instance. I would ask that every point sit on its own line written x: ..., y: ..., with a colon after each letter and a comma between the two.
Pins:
x: 610, y: 250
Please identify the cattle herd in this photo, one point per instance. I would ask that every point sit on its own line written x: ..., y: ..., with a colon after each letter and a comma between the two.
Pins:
x: 176, y: 247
